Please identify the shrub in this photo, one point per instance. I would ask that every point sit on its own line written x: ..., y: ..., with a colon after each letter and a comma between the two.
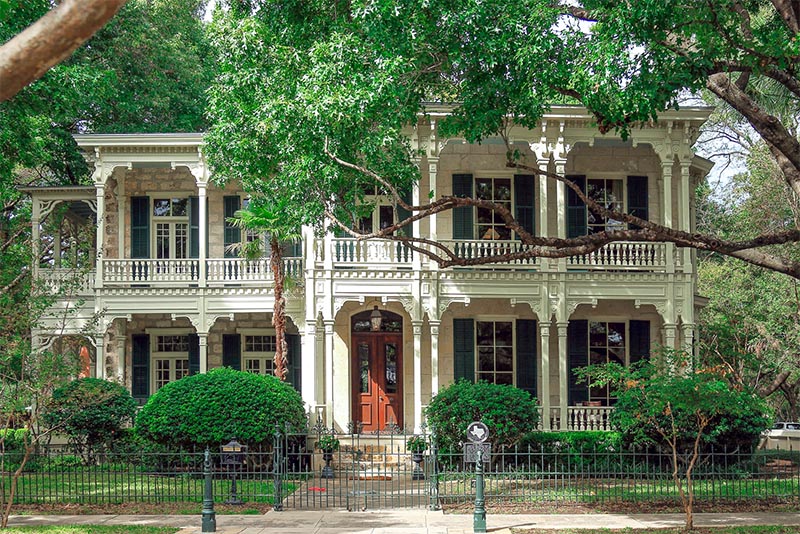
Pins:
x: 91, y: 412
x: 509, y: 413
x: 209, y: 409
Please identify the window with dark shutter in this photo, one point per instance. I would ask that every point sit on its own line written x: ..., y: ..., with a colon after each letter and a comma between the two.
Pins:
x: 526, y: 355
x: 464, y: 349
x: 578, y: 356
x: 576, y: 209
x: 462, y: 216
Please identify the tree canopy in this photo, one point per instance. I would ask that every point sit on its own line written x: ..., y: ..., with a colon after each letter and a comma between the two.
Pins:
x: 312, y: 97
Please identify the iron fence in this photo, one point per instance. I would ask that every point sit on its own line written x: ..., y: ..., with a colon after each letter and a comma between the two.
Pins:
x: 379, y: 471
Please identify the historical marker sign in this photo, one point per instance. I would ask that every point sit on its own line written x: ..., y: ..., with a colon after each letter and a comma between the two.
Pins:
x: 477, y: 432
x: 471, y: 452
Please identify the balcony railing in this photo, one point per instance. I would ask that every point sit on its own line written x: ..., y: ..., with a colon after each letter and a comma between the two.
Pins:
x: 622, y: 255
x: 348, y: 252
x: 69, y: 281
x: 187, y: 271
x: 471, y: 249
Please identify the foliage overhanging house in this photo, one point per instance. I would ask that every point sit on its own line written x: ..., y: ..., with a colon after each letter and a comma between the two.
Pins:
x: 171, y: 299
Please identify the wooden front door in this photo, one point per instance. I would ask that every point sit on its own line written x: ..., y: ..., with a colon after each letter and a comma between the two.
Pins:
x: 377, y: 382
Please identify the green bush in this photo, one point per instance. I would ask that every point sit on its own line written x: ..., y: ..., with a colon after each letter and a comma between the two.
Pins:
x: 509, y: 412
x: 13, y: 447
x: 92, y: 413
x: 209, y: 409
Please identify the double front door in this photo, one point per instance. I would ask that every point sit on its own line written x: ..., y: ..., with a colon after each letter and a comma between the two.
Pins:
x: 377, y: 380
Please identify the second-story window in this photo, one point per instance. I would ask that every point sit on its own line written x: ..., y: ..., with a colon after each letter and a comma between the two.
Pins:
x: 609, y: 194
x: 171, y: 228
x: 488, y: 223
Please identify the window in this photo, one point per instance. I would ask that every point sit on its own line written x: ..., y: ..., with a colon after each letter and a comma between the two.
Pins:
x: 488, y: 223
x: 170, y: 359
x: 259, y: 354
x: 609, y: 194
x: 607, y: 344
x: 495, y: 350
x: 171, y: 228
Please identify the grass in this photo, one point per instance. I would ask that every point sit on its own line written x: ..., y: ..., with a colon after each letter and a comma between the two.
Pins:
x: 90, y: 529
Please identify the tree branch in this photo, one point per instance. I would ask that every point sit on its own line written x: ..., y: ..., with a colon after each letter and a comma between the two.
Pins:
x: 50, y: 40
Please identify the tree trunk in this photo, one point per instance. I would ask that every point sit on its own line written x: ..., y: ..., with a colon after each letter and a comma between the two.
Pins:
x: 279, y: 311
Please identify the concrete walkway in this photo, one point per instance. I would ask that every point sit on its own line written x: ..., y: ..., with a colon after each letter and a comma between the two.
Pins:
x: 404, y: 521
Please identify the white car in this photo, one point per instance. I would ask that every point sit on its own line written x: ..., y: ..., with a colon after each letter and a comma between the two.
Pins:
x: 782, y: 435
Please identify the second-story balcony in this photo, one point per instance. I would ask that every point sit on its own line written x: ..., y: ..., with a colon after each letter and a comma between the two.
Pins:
x: 352, y: 254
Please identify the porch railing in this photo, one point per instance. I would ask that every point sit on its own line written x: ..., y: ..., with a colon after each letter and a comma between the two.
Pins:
x: 373, y: 252
x: 623, y: 255
x: 472, y: 249
x: 70, y: 281
x: 589, y: 418
x: 187, y: 271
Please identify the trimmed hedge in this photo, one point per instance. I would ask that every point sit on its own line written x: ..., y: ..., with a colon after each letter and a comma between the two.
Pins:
x: 509, y: 412
x: 209, y: 409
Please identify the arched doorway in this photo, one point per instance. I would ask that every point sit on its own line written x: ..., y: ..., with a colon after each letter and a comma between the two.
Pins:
x: 377, y: 369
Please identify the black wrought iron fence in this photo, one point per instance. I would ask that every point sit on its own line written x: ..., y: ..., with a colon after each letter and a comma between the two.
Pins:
x: 322, y: 468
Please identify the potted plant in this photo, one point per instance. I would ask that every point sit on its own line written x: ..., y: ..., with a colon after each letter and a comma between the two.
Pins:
x: 416, y: 445
x: 327, y: 444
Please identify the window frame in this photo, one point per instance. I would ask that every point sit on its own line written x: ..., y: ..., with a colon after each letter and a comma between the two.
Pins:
x: 173, y: 221
x: 597, y: 228
x: 494, y: 372
x: 476, y: 224
x: 170, y: 356
x: 608, y: 399
x: 266, y: 359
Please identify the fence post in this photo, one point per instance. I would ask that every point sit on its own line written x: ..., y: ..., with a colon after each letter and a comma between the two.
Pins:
x: 434, y: 474
x: 479, y: 516
x: 277, y: 465
x: 208, y: 514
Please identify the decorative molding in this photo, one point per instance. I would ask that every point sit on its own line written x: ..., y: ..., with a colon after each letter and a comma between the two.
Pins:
x: 445, y: 302
x: 212, y: 319
x: 194, y: 319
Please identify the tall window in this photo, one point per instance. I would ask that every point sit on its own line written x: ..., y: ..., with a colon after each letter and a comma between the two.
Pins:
x: 495, y: 349
x: 171, y: 227
x: 259, y: 354
x: 607, y: 344
x: 609, y: 194
x: 170, y: 358
x: 488, y: 223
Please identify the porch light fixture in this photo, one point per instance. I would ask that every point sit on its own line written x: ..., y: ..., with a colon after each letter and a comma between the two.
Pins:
x: 376, y: 319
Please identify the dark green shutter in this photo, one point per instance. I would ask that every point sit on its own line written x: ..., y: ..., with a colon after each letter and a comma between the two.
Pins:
x: 639, y: 340
x: 194, y: 354
x: 462, y: 217
x: 294, y: 357
x: 194, y: 227
x: 140, y: 367
x: 578, y: 356
x: 524, y: 201
x: 576, y: 209
x: 526, y: 355
x: 464, y: 349
x: 233, y: 234
x: 403, y: 214
x: 637, y: 198
x: 232, y: 351
x: 140, y: 227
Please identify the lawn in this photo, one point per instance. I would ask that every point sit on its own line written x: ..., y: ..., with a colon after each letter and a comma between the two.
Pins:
x: 90, y: 529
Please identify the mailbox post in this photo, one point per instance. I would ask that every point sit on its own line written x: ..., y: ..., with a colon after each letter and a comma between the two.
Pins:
x: 231, y: 457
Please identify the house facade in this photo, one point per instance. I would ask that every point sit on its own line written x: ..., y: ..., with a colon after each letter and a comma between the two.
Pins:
x: 374, y: 329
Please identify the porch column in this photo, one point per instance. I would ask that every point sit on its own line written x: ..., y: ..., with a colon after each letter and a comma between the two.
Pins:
x: 544, y: 340
x: 687, y: 329
x: 308, y: 368
x: 541, y: 180
x: 434, y: 357
x: 670, y: 330
x: 36, y: 237
x: 563, y: 376
x: 100, y: 356
x: 561, y: 207
x: 416, y: 327
x: 683, y: 210
x: 100, y: 190
x: 666, y: 207
x: 202, y: 337
x: 120, y: 335
x: 202, y: 188
x: 433, y: 168
x: 329, y: 370
x: 416, y: 259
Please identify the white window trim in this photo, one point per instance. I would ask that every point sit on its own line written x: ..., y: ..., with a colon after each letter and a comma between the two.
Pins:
x: 497, y: 318
x: 172, y: 356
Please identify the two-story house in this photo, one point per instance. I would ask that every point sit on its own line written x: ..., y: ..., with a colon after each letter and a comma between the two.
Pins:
x: 374, y: 329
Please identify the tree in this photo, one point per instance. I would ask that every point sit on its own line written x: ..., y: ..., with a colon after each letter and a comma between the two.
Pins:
x: 682, y: 410
x: 312, y: 97
x: 50, y: 40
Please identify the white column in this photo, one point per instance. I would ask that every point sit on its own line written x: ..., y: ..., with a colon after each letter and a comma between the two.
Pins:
x: 563, y: 374
x: 100, y: 190
x: 666, y: 201
x: 120, y: 335
x: 561, y: 208
x: 433, y: 169
x: 416, y: 327
x: 544, y: 400
x: 36, y: 239
x: 100, y: 356
x: 670, y: 331
x: 416, y: 261
x: 541, y: 179
x: 308, y: 367
x: 683, y: 208
x: 687, y: 329
x: 329, y: 370
x: 203, y: 230
x: 434, y: 357
x: 203, y: 339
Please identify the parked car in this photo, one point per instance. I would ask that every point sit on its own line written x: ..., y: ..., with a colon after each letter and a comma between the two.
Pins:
x: 783, y: 435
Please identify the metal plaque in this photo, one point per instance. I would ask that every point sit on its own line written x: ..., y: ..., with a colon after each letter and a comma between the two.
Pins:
x: 477, y: 432
x: 471, y: 452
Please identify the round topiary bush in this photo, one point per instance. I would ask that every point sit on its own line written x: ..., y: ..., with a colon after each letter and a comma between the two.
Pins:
x: 92, y: 413
x: 509, y: 413
x: 209, y: 409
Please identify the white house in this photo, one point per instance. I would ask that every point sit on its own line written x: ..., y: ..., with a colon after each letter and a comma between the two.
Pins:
x: 172, y: 300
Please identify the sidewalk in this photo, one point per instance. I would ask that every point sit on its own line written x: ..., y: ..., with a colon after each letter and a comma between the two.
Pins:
x: 404, y: 521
